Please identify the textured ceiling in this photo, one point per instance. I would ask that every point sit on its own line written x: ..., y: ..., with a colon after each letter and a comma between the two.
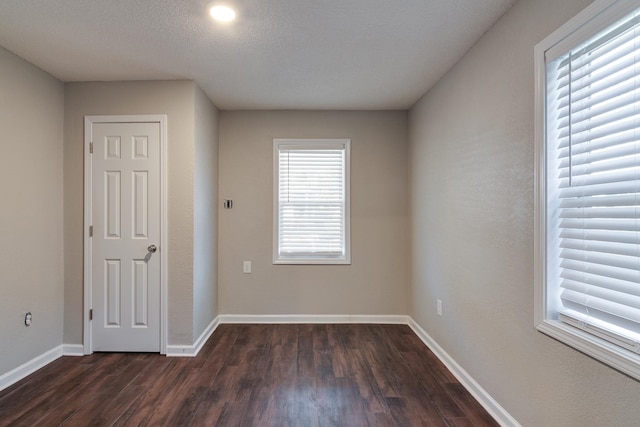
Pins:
x: 278, y: 54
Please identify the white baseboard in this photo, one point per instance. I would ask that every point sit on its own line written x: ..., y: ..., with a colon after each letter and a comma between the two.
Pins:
x: 313, y: 318
x: 192, y: 350
x: 29, y: 367
x: 72, y: 350
x: 480, y: 394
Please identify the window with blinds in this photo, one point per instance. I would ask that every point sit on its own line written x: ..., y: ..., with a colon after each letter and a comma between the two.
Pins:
x: 311, y: 192
x: 591, y: 187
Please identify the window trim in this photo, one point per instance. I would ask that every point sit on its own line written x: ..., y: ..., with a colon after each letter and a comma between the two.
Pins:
x: 346, y: 259
x: 590, y: 21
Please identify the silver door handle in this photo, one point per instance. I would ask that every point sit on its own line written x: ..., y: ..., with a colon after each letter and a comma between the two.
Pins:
x: 152, y: 248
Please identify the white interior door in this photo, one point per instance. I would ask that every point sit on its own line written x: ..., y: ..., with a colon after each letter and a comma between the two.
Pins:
x: 125, y: 243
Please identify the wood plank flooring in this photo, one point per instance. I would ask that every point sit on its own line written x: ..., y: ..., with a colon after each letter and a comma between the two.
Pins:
x: 254, y: 375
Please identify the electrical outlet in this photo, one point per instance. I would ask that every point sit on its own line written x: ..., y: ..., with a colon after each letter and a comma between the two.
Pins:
x: 246, y: 267
x: 27, y: 319
x: 439, y: 307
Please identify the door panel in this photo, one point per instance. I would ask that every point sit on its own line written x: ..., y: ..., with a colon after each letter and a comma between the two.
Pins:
x: 112, y: 204
x: 126, y: 221
x: 112, y: 283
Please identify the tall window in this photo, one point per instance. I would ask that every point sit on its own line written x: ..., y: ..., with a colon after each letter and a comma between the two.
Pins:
x: 588, y: 207
x: 311, y: 201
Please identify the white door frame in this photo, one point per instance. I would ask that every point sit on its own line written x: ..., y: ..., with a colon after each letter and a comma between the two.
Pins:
x: 88, y: 252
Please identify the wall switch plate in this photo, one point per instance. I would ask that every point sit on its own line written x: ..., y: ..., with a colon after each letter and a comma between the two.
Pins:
x: 246, y: 267
x: 439, y: 307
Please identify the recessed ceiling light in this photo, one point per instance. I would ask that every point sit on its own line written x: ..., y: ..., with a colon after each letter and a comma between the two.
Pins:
x: 222, y: 13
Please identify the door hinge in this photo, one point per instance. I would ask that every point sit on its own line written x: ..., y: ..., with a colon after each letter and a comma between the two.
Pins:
x: 91, y: 314
x: 91, y: 147
x: 91, y: 231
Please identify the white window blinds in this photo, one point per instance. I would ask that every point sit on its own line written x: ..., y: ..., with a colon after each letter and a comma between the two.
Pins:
x: 312, y: 200
x: 593, y: 184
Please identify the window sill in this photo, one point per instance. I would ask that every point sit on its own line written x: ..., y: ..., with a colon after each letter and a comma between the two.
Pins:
x: 312, y: 261
x: 617, y: 357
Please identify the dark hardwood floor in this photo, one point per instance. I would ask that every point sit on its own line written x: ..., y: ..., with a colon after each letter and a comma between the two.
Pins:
x: 254, y: 375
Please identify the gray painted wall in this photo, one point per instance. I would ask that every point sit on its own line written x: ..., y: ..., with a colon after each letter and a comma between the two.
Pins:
x: 31, y: 263
x: 472, y: 182
x: 376, y: 282
x: 205, y: 214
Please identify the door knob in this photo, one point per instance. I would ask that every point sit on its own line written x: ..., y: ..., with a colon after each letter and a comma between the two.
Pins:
x: 152, y: 248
